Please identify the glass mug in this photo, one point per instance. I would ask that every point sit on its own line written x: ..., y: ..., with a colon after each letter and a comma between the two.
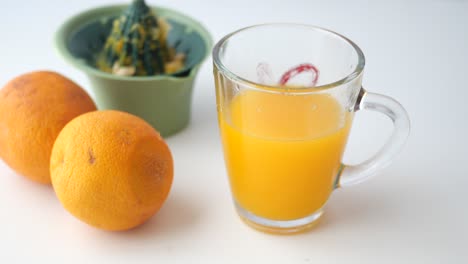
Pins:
x: 286, y: 96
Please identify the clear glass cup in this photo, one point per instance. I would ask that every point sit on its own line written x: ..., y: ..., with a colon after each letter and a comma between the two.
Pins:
x: 286, y: 97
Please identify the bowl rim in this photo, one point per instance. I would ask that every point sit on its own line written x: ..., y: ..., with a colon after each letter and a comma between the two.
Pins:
x: 63, y: 31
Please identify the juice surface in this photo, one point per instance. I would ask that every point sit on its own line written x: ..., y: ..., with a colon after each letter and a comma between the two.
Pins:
x: 283, y: 151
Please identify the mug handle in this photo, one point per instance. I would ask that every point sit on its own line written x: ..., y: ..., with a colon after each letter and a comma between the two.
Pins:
x: 354, y: 174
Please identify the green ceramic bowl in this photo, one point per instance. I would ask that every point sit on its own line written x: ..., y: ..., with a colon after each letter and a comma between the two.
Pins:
x: 164, y: 101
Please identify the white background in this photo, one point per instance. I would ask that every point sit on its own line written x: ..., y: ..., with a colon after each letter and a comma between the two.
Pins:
x: 415, y: 211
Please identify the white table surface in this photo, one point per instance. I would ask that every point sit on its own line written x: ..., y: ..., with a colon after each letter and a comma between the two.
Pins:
x: 415, y: 211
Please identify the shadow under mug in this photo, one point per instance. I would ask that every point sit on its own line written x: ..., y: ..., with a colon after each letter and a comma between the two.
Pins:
x: 284, y: 135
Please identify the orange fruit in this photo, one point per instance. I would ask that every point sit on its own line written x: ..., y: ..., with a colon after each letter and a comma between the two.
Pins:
x: 111, y: 169
x: 34, y: 107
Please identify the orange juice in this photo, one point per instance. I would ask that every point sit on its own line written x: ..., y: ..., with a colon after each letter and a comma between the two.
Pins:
x: 283, y: 152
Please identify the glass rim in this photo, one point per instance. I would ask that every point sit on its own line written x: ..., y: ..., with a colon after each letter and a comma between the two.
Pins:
x: 265, y: 87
